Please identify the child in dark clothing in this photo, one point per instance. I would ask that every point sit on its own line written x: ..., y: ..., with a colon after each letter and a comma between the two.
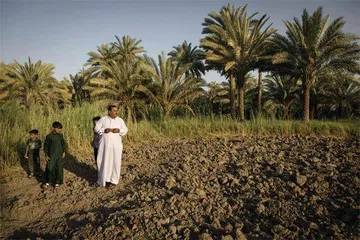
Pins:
x: 96, y: 140
x: 32, y: 153
x: 54, y: 148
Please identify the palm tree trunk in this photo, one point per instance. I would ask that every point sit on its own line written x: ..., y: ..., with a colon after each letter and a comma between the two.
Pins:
x: 232, y: 95
x: 286, y: 111
x: 166, y: 113
x: 307, y: 101
x: 241, y: 102
x: 27, y: 101
x: 311, y: 111
x: 259, y: 94
x: 129, y: 114
x: 79, y: 100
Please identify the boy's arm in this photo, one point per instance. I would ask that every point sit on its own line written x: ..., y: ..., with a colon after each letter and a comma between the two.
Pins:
x: 46, y: 147
x: 64, y: 146
x: 27, y: 151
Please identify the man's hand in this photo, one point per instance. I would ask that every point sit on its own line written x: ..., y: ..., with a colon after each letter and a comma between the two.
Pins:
x: 107, y: 130
x: 47, y: 158
x: 26, y: 156
x: 116, y: 130
x: 63, y: 155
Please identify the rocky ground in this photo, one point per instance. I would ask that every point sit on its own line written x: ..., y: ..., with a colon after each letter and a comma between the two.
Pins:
x: 227, y: 188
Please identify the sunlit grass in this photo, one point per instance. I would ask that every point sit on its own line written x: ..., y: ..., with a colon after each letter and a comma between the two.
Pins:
x: 16, y: 122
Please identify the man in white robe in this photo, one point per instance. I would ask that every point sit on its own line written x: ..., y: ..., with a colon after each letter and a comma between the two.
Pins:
x: 111, y: 128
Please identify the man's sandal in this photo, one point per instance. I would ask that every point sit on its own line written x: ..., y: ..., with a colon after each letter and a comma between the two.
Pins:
x: 45, y: 185
x: 56, y: 186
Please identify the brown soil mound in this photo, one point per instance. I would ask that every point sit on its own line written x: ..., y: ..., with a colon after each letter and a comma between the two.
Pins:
x: 238, y: 188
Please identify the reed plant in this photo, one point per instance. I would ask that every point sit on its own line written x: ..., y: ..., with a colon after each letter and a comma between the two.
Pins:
x: 16, y: 121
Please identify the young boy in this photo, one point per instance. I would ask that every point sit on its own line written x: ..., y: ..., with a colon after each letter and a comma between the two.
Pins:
x: 33, y: 146
x: 96, y: 140
x: 54, y: 148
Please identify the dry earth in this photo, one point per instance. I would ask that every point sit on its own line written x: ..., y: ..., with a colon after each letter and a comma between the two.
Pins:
x: 227, y: 188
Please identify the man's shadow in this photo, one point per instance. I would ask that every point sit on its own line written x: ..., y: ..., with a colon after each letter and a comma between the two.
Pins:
x: 20, y: 147
x: 84, y: 170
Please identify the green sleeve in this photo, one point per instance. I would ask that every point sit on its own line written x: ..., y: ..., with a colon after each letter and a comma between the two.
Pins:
x: 64, y: 144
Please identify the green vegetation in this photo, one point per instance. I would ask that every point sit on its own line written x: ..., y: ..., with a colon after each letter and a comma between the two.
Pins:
x: 16, y: 121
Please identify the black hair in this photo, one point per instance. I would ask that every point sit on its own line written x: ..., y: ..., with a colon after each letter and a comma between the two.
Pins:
x: 34, y: 131
x: 111, y: 107
x: 57, y: 125
x: 97, y: 118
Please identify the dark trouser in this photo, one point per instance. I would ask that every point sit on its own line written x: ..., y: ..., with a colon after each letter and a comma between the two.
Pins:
x: 54, y: 171
x: 96, y: 150
x: 34, y: 162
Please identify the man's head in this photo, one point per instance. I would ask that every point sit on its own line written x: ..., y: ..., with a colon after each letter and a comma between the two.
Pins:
x: 57, y: 126
x: 112, y: 111
x: 34, y: 133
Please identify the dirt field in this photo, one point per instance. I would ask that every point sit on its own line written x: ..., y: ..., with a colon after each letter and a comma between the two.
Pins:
x: 226, y: 188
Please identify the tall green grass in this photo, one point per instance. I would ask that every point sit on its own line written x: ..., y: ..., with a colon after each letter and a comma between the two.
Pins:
x: 16, y: 122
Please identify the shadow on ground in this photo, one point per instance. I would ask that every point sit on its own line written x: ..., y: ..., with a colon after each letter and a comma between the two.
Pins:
x: 84, y: 170
x: 20, y: 149
x: 26, y: 234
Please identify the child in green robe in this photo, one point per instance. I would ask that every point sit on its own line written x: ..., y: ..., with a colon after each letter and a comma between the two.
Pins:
x: 54, y: 148
x: 32, y: 153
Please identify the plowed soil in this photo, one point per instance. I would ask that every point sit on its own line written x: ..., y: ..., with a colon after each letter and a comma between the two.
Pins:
x: 226, y: 188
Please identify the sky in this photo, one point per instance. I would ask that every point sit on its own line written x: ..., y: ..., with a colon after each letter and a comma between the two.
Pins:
x: 64, y: 32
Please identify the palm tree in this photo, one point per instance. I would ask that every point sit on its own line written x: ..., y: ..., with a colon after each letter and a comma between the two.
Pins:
x: 120, y: 76
x: 235, y: 42
x: 230, y: 85
x: 32, y: 83
x: 343, y: 93
x: 105, y: 53
x: 128, y: 55
x: 120, y: 86
x: 249, y: 89
x: 171, y: 88
x: 280, y: 94
x: 186, y: 55
x: 5, y: 77
x: 127, y: 49
x: 78, y: 85
x: 217, y: 94
x: 313, y: 47
x: 316, y: 94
